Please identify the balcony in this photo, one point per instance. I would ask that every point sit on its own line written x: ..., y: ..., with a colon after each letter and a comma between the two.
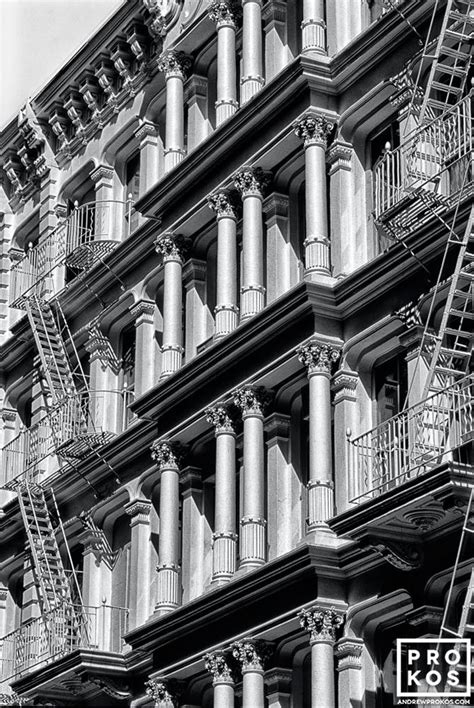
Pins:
x: 71, y: 430
x: 78, y: 242
x: 429, y: 170
x: 59, y: 632
x: 412, y: 442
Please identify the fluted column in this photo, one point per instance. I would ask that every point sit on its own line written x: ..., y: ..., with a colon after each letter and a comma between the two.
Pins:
x: 251, y: 401
x: 168, y: 457
x: 175, y: 66
x: 349, y: 669
x: 252, y: 655
x: 226, y: 311
x: 140, y: 560
x: 314, y: 131
x: 319, y: 358
x: 313, y: 26
x: 173, y: 249
x: 252, y: 66
x: 322, y: 625
x: 219, y: 666
x: 225, y: 13
x: 251, y: 183
x: 224, y: 538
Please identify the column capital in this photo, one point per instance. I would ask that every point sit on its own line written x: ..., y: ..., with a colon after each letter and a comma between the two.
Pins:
x: 224, y: 203
x: 344, y: 384
x: 348, y: 651
x: 102, y: 173
x: 163, y: 691
x: 143, y: 307
x: 138, y: 509
x: 220, y: 416
x: 219, y: 665
x: 8, y: 415
x: 318, y: 357
x: 224, y: 12
x: 146, y: 129
x: 175, y: 64
x: 252, y: 400
x: 321, y: 623
x: 172, y: 246
x: 168, y: 455
x: 314, y: 129
x: 274, y: 11
x: 252, y: 181
x: 252, y: 654
x: 276, y: 205
x: 339, y: 156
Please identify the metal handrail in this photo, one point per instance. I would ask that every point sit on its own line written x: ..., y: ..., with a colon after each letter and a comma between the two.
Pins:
x: 426, y: 159
x: 411, y: 442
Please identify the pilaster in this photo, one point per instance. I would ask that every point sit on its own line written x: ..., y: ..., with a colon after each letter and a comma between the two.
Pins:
x: 346, y: 418
x: 350, y: 676
x: 279, y: 267
x: 192, y: 533
x: 140, y: 560
x: 278, y: 685
x: 280, y: 486
x: 199, y: 325
x: 151, y: 154
x: 147, y: 353
x: 343, y: 232
x: 195, y: 95
x: 277, y: 52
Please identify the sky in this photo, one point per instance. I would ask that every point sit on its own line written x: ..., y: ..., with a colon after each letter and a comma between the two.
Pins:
x: 36, y: 38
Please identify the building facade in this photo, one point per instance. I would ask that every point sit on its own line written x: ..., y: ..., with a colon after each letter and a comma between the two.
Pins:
x: 235, y: 237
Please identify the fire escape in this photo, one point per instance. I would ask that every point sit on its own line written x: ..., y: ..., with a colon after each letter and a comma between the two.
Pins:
x: 69, y: 432
x: 430, y: 178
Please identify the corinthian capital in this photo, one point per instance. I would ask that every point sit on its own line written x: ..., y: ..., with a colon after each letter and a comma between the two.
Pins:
x: 252, y: 400
x: 318, y: 357
x: 224, y: 12
x: 252, y: 654
x: 219, y: 667
x: 167, y: 454
x: 224, y: 203
x: 171, y: 245
x: 163, y: 692
x: 321, y: 623
x: 313, y: 129
x: 175, y: 64
x: 220, y: 417
x: 252, y: 181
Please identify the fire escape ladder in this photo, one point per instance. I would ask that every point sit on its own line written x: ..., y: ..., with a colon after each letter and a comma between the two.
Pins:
x: 450, y: 61
x: 52, y: 582
x: 452, y: 350
x: 466, y: 623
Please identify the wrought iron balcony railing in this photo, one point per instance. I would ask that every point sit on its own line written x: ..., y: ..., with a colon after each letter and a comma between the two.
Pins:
x: 412, y: 442
x: 59, y: 632
x: 84, y: 237
x: 72, y: 429
x: 434, y: 159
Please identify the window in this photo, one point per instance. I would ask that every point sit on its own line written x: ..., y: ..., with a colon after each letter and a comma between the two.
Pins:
x: 391, y: 387
x: 128, y: 373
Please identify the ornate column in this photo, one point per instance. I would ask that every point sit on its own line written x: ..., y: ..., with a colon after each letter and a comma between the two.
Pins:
x: 252, y: 655
x: 146, y: 350
x: 252, y: 69
x: 346, y: 424
x: 314, y: 131
x: 168, y: 458
x: 314, y: 26
x: 251, y: 401
x: 173, y: 248
x: 226, y: 311
x: 345, y: 248
x: 151, y: 154
x: 140, y: 560
x: 319, y: 357
x: 251, y: 183
x: 322, y: 624
x: 225, y: 13
x: 222, y: 673
x: 224, y: 549
x: 349, y: 668
x: 175, y: 66
x: 279, y: 266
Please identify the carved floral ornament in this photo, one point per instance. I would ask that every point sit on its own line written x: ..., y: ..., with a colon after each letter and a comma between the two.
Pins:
x: 164, y: 693
x: 167, y: 454
x: 219, y: 666
x: 224, y: 204
x: 171, y: 245
x: 174, y: 63
x: 224, y: 11
x: 322, y: 624
x: 318, y: 357
x: 314, y: 129
x: 252, y: 400
x: 220, y: 417
x: 252, y: 181
x: 252, y: 654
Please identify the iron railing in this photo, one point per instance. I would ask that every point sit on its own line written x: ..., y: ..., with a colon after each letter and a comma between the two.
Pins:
x: 59, y: 632
x: 81, y: 423
x: 412, y: 442
x: 78, y: 241
x: 435, y: 158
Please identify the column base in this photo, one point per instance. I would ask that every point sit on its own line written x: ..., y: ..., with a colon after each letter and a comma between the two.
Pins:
x: 173, y: 156
x: 225, y: 109
x: 168, y: 589
x: 252, y: 301
x: 249, y: 86
x: 320, y: 504
x: 172, y: 359
x: 227, y: 318
x: 224, y: 549
x: 314, y: 36
x: 317, y: 256
x: 252, y: 542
